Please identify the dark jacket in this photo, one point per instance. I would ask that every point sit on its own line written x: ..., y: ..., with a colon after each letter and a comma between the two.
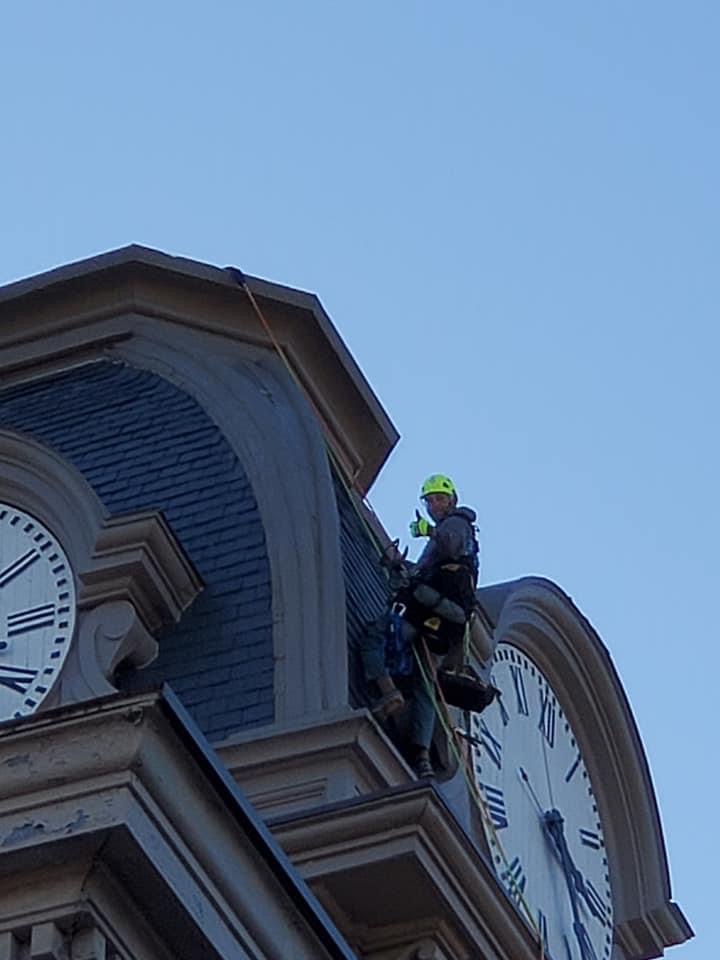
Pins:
x: 454, y: 541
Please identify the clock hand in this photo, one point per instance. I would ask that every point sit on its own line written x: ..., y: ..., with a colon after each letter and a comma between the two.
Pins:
x: 554, y: 825
x: 587, y: 951
x: 558, y: 835
x: 526, y: 780
x: 576, y: 875
x: 573, y: 878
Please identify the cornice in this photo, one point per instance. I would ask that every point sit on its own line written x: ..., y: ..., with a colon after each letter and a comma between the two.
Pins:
x: 405, y: 839
x: 51, y: 311
x: 137, y: 558
x: 334, y: 756
x: 123, y: 785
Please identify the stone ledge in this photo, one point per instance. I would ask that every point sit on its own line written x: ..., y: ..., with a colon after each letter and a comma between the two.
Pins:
x: 338, y: 755
x: 369, y: 851
x: 121, y: 786
x: 137, y: 558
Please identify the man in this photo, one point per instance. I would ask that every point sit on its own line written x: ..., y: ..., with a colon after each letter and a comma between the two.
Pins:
x: 448, y: 566
x: 436, y: 596
x: 439, y: 600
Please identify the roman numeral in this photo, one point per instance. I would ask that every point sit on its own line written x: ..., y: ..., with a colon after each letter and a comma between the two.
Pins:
x: 18, y: 679
x: 598, y: 906
x: 18, y: 566
x: 587, y: 950
x: 492, y: 746
x: 495, y: 800
x: 547, y: 717
x: 504, y: 715
x: 33, y: 619
x: 522, y: 704
x: 515, y: 880
x: 571, y: 772
x: 590, y: 839
x: 542, y: 929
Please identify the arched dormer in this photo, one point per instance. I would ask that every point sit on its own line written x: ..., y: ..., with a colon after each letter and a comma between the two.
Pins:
x: 191, y: 327
x: 537, y: 617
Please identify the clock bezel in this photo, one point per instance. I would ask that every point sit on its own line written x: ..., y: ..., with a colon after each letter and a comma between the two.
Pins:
x: 511, y: 655
x: 55, y: 636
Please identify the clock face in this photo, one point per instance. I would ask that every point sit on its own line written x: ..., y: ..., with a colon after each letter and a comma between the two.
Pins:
x: 37, y: 611
x: 546, y: 838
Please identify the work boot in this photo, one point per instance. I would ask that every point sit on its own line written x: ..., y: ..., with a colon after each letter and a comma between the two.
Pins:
x: 391, y: 700
x: 388, y: 704
x: 421, y: 765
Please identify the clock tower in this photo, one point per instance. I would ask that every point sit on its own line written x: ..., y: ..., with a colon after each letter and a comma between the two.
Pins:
x: 188, y: 765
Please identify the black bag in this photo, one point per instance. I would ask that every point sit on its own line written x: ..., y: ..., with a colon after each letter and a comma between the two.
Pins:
x: 466, y: 690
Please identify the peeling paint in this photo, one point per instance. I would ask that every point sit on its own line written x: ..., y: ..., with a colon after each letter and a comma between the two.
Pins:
x: 23, y: 833
x: 31, y: 829
x: 81, y: 818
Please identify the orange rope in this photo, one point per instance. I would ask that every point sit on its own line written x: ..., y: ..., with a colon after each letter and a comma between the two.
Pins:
x: 430, y: 681
x: 350, y: 488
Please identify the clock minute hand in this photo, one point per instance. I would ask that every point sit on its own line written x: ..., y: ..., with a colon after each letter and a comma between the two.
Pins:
x: 554, y: 826
x: 558, y: 835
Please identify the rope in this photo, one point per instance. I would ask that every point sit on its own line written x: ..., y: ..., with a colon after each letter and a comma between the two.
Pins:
x: 431, y: 686
x: 435, y: 693
x: 350, y: 488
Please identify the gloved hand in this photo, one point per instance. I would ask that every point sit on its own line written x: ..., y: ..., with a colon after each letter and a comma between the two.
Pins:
x: 420, y: 527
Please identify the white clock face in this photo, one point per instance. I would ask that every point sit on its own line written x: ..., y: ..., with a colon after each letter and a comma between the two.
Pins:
x: 546, y: 841
x: 37, y: 611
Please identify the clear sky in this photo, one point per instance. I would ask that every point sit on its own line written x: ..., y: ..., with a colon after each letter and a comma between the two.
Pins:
x: 511, y: 212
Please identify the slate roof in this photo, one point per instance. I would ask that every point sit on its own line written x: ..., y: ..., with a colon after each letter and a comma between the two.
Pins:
x: 142, y: 443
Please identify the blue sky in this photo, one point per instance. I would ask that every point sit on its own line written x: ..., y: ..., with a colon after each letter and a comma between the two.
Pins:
x: 510, y: 210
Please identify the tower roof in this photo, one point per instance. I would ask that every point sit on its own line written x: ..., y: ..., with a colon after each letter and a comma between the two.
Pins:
x: 137, y: 279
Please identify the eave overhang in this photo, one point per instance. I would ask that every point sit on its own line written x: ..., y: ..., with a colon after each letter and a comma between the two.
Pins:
x: 38, y: 313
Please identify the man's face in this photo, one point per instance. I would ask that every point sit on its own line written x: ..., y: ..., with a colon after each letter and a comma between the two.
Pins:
x: 439, y: 505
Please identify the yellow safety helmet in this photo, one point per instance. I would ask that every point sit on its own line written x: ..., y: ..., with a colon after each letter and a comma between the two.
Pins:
x: 438, y: 483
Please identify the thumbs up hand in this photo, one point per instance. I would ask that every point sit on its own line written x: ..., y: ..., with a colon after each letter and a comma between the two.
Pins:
x: 420, y: 527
